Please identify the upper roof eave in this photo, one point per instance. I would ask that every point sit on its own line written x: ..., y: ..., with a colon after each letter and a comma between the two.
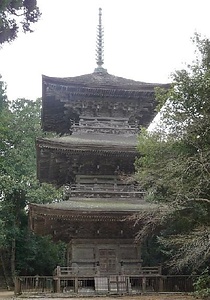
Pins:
x: 104, y: 81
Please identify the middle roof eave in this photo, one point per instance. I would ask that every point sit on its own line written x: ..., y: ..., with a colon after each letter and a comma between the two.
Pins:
x: 99, y: 142
x: 95, y: 205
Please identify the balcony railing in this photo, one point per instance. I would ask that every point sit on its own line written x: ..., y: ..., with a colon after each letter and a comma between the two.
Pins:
x: 84, y: 271
x: 104, y: 190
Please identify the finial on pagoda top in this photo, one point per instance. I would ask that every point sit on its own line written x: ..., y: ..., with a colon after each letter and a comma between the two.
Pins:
x: 100, y: 46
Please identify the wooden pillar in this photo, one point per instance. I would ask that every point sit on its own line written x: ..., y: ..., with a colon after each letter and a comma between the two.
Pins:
x: 17, y: 286
x: 161, y: 284
x: 58, y: 285
x: 122, y: 272
x: 160, y: 269
x: 117, y: 283
x: 76, y: 284
x: 128, y: 287
x: 97, y: 268
x: 58, y: 281
x: 144, y: 284
x: 109, y: 286
x: 58, y: 271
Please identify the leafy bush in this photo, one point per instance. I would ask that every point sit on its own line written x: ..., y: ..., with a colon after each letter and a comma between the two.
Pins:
x: 202, y: 285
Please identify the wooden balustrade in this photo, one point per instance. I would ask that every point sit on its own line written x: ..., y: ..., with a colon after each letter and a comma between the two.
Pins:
x: 111, y: 190
x: 118, y: 284
x: 93, y: 270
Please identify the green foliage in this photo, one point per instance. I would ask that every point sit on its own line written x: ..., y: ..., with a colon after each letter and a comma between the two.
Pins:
x: 3, y: 96
x: 38, y: 255
x: 16, y: 14
x: 202, y: 285
x: 151, y: 253
x: 19, y: 127
x: 23, y: 128
x: 174, y: 165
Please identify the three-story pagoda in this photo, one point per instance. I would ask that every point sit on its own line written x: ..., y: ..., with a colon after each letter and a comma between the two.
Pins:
x: 97, y: 117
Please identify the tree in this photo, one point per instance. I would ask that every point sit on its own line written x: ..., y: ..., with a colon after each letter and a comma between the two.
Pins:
x: 39, y: 255
x: 3, y: 96
x: 19, y: 127
x: 16, y: 14
x: 174, y: 166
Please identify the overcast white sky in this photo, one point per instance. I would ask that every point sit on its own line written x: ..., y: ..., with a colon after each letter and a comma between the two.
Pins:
x: 144, y: 40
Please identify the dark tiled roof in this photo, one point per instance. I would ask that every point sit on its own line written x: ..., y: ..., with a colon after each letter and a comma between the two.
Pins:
x: 88, y: 141
x: 102, y: 80
x: 60, y: 95
x: 53, y: 154
x: 99, y: 205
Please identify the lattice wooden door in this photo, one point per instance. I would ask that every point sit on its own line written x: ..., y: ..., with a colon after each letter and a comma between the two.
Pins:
x: 107, y: 260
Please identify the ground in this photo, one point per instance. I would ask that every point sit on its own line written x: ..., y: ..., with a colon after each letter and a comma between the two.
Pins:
x: 10, y: 295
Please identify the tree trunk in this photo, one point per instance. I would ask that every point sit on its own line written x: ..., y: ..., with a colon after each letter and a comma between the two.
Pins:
x: 6, y: 278
x: 13, y: 250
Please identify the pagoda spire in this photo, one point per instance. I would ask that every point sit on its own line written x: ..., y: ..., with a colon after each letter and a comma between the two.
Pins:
x: 100, y: 45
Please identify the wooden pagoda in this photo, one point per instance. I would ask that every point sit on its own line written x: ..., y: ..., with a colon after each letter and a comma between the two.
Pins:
x: 97, y: 118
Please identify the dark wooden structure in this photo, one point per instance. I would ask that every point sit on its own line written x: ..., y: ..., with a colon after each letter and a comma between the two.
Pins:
x: 97, y: 117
